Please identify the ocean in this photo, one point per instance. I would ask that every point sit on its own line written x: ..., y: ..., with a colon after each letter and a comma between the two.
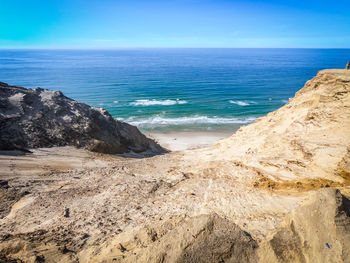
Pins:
x: 173, y: 89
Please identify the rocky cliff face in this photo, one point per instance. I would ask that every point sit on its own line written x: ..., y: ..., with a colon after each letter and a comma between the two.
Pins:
x: 43, y: 118
x: 276, y: 191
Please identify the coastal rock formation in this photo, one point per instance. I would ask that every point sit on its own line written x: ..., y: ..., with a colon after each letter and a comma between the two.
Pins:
x: 43, y: 118
x: 308, y: 139
x: 276, y: 191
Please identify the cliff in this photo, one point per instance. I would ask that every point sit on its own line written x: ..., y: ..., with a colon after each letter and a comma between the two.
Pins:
x: 43, y: 118
x: 275, y: 191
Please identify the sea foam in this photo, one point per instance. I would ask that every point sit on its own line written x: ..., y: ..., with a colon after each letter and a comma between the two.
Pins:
x: 157, y: 102
x: 156, y: 121
x: 242, y: 103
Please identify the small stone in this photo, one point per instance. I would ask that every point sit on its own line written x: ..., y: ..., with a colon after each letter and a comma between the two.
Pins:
x: 66, y: 213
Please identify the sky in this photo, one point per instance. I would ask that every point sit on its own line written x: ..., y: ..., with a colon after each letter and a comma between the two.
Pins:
x: 86, y: 24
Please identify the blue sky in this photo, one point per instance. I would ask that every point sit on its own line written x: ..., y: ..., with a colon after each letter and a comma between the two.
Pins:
x: 177, y: 23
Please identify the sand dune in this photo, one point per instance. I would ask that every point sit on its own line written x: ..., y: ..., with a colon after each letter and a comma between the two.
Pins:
x: 275, y: 191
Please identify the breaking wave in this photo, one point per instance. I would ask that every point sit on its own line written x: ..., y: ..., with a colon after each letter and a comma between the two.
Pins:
x: 157, y: 102
x: 156, y: 121
x: 242, y: 103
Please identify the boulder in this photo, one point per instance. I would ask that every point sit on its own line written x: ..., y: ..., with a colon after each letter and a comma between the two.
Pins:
x: 42, y: 118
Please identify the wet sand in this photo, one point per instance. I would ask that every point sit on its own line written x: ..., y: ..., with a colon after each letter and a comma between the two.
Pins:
x: 183, y: 140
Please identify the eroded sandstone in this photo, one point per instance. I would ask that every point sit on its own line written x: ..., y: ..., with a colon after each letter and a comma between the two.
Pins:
x: 276, y: 191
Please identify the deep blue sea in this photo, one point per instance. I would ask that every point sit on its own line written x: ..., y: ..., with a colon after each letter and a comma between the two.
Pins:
x: 173, y: 89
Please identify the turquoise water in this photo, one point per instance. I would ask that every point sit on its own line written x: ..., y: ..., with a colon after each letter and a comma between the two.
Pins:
x: 173, y: 89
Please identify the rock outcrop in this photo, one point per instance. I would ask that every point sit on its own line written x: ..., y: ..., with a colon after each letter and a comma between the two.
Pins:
x: 42, y: 118
x: 276, y: 191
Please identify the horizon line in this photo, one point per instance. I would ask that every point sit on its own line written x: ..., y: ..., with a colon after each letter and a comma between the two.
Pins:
x: 125, y: 48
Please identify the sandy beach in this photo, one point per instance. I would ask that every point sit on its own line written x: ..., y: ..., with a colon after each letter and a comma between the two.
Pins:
x: 184, y: 140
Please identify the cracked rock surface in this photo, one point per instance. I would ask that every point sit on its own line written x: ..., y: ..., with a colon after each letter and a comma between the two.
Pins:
x: 42, y: 118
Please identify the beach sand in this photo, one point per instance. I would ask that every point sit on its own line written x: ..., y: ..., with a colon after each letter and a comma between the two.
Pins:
x: 278, y: 190
x: 183, y: 140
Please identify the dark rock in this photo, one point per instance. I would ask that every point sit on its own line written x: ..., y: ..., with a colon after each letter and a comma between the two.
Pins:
x: 66, y: 212
x: 39, y: 259
x: 122, y: 248
x: 4, y: 184
x: 42, y: 118
x: 65, y: 250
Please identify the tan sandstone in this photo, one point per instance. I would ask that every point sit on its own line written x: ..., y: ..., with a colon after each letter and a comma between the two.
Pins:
x: 275, y: 191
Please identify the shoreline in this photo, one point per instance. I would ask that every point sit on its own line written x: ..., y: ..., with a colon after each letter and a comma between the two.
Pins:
x: 187, y: 140
x: 261, y: 195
